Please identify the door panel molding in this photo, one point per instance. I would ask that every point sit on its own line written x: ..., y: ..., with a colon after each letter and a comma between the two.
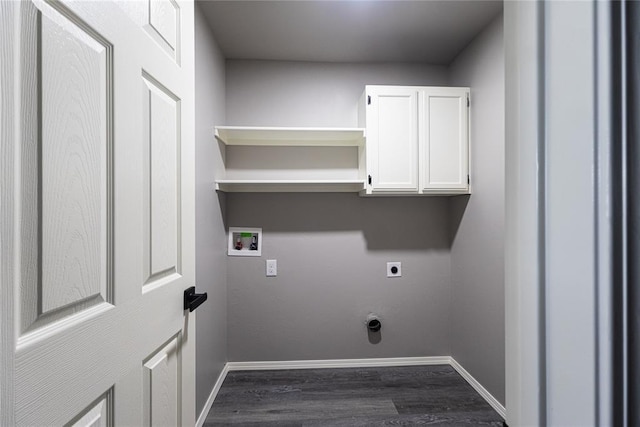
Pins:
x: 162, y: 171
x: 65, y: 166
x: 98, y: 414
x: 162, y: 383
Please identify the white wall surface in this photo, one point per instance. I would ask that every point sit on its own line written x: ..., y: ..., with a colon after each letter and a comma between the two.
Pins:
x: 571, y: 235
x: 477, y: 251
x: 332, y: 249
x: 211, y: 320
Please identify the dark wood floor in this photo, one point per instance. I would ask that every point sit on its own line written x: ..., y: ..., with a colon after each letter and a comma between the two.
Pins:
x: 415, y: 395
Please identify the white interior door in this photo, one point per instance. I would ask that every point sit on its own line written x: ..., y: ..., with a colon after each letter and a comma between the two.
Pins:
x: 97, y: 213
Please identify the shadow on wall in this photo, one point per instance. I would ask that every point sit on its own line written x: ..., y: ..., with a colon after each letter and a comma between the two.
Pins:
x: 387, y: 223
x: 458, y: 204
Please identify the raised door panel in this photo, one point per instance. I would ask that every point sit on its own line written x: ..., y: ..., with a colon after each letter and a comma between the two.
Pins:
x: 392, y: 140
x: 162, y: 22
x: 163, y: 25
x: 444, y: 140
x: 66, y: 157
x: 98, y: 414
x: 161, y: 111
x: 162, y: 384
x: 74, y: 150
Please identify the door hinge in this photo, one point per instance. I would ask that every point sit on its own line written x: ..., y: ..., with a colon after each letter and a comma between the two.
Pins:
x: 368, y: 99
x: 369, y: 179
x: 468, y: 180
x: 468, y: 102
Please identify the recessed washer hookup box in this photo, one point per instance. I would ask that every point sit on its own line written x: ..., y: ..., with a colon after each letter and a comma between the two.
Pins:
x: 245, y: 241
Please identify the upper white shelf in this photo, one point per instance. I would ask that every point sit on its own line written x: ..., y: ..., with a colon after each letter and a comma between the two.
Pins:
x: 279, y: 186
x: 320, y: 137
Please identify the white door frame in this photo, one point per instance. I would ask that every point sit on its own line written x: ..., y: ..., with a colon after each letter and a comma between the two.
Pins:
x: 559, y: 213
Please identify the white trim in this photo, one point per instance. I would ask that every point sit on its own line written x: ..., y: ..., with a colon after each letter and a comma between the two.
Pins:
x: 524, y: 251
x: 216, y: 388
x: 495, y: 404
x: 349, y: 363
x: 337, y: 363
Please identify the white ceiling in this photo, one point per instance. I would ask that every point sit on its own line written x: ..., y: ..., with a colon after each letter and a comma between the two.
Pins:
x: 431, y: 32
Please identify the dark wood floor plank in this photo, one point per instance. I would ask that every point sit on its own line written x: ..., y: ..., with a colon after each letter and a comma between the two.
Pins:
x: 415, y: 395
x: 471, y: 419
x: 253, y: 424
x: 286, y: 410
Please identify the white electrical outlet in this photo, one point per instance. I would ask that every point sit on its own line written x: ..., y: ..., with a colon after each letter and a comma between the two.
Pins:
x: 272, y: 267
x: 394, y: 269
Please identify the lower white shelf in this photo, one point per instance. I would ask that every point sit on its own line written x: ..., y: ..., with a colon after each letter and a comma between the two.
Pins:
x: 275, y: 186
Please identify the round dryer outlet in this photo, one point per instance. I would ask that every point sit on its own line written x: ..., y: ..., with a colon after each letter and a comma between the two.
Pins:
x: 394, y: 269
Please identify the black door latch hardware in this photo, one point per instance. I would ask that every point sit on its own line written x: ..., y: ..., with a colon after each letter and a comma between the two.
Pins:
x: 193, y: 300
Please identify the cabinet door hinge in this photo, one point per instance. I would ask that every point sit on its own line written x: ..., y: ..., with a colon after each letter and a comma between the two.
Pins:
x: 468, y: 102
x: 368, y: 99
x: 468, y: 180
x: 369, y: 179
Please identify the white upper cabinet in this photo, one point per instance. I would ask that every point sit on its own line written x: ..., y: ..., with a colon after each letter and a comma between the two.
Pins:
x: 444, y: 140
x: 392, y: 139
x: 417, y: 139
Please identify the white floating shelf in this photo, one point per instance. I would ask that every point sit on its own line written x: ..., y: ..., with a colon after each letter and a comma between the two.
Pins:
x: 276, y: 186
x: 327, y: 137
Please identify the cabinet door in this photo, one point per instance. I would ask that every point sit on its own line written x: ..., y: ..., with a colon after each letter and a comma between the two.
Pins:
x: 392, y: 139
x: 444, y: 140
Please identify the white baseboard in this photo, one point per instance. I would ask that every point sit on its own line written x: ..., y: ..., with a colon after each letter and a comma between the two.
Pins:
x: 337, y: 363
x: 349, y: 363
x: 479, y: 388
x: 212, y: 396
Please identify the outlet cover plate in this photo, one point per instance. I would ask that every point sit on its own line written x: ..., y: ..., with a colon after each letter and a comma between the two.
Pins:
x: 394, y: 269
x: 272, y: 267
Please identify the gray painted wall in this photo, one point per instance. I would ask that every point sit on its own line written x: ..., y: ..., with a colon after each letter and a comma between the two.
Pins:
x: 332, y: 249
x: 477, y: 251
x: 281, y: 93
x: 211, y: 262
